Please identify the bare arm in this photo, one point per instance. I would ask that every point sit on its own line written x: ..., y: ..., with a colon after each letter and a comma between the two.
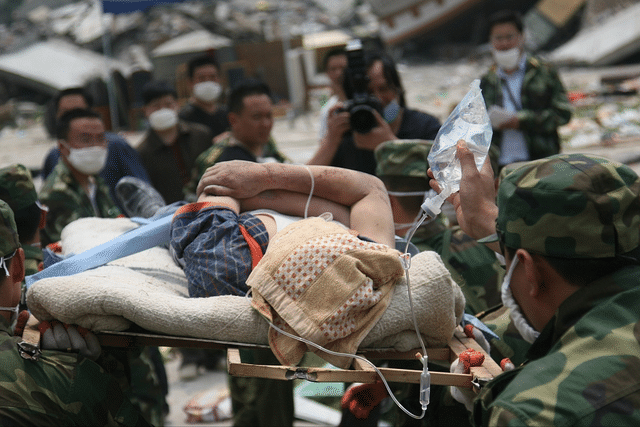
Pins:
x: 363, y: 194
x: 337, y: 125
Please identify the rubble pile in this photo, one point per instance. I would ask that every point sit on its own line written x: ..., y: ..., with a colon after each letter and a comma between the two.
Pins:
x: 603, y: 115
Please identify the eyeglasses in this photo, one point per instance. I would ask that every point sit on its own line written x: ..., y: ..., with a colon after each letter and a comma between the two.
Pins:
x: 507, y: 38
x: 89, y: 140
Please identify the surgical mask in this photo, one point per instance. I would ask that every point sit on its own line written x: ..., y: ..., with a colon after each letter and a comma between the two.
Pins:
x: 522, y: 325
x: 207, y: 91
x: 507, y: 59
x: 163, y: 119
x: 89, y: 160
x: 391, y: 111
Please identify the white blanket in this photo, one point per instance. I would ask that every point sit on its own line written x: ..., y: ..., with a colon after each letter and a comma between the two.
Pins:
x: 148, y: 289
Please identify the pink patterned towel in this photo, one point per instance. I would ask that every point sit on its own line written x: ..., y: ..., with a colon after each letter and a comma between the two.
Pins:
x: 319, y: 281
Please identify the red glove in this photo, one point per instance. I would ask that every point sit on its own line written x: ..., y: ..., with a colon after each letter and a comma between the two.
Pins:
x: 360, y: 399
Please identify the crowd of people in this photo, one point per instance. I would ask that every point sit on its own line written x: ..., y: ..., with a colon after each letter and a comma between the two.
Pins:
x: 545, y: 246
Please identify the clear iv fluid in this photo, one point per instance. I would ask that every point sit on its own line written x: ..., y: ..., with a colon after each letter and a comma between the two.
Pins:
x: 470, y: 122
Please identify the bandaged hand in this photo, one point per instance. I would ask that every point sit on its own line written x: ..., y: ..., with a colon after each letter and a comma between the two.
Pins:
x: 462, y: 365
x: 360, y: 399
x: 63, y: 337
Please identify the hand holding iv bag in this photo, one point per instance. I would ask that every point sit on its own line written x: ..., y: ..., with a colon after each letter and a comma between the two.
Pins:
x: 470, y: 122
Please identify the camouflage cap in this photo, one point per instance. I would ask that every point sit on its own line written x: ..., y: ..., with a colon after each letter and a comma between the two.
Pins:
x: 8, y: 231
x: 570, y: 206
x: 16, y: 187
x: 403, y: 157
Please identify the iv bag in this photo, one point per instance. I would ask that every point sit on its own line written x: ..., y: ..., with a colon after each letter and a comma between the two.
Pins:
x: 470, y: 122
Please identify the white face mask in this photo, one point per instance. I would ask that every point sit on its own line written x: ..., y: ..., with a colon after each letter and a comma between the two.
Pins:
x: 522, y: 325
x: 507, y: 59
x: 163, y: 119
x: 207, y: 91
x: 89, y: 161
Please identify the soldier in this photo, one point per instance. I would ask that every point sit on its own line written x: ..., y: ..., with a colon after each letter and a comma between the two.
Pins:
x: 402, y: 166
x: 570, y: 229
x: 17, y: 189
x: 74, y: 189
x: 56, y: 388
x: 526, y: 99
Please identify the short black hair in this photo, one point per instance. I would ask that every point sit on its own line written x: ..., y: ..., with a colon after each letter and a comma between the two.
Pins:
x: 506, y: 16
x: 27, y: 222
x: 389, y: 70
x: 244, y: 89
x: 71, y: 91
x: 583, y: 271
x: 336, y: 51
x: 408, y: 184
x: 156, y: 89
x: 62, y: 127
x: 199, y: 61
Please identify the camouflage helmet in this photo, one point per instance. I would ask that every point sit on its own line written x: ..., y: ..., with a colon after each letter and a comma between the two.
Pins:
x: 570, y: 206
x: 16, y: 187
x: 8, y: 231
x: 400, y: 157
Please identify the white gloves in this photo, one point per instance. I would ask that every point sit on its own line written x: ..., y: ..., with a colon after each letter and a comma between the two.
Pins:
x: 63, y: 337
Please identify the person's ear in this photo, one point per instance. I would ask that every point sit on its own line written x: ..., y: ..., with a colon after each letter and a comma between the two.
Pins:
x: 16, y: 269
x: 232, y: 118
x: 532, y: 273
x: 63, y: 148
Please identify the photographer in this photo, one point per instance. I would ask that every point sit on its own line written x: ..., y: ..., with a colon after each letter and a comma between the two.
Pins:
x: 373, y: 85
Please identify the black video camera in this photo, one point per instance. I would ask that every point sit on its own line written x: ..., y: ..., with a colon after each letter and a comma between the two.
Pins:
x: 360, y: 104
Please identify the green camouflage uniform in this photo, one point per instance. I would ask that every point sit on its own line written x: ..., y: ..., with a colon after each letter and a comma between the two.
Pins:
x: 56, y: 389
x: 472, y: 265
x: 67, y: 201
x: 545, y: 107
x: 583, y: 368
x: 210, y: 157
x: 18, y: 190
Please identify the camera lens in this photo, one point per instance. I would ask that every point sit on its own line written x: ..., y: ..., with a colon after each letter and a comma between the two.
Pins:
x: 362, y: 119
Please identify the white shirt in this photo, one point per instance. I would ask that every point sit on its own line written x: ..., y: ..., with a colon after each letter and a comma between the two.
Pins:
x: 514, y: 146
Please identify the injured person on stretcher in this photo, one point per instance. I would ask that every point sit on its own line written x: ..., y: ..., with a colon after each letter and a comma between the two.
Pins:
x: 334, y: 279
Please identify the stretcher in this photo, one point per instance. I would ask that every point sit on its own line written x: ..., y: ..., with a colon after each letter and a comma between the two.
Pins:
x: 141, y: 300
x: 359, y: 372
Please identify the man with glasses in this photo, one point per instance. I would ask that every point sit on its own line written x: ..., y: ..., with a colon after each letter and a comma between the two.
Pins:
x: 525, y: 97
x: 74, y: 190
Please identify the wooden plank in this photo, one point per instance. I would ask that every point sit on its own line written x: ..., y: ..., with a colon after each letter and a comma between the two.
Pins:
x: 364, y: 374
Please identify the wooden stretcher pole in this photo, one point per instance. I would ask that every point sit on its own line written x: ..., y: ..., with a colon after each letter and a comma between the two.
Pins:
x: 363, y: 372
